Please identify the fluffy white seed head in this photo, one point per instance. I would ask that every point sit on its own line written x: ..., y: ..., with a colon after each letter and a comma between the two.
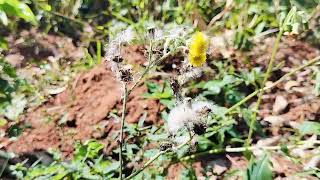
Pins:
x: 186, y: 115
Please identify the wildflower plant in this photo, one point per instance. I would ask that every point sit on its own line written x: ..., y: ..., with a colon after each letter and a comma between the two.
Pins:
x: 124, y: 72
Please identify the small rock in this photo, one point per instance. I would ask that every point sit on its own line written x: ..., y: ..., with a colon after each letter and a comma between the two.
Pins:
x: 274, y: 120
x: 14, y: 59
x: 291, y: 84
x: 280, y: 104
x: 269, y: 84
x: 313, y: 163
x: 219, y: 169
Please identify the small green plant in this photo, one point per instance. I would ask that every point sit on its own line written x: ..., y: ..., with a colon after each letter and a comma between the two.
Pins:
x: 88, y: 163
x: 259, y: 169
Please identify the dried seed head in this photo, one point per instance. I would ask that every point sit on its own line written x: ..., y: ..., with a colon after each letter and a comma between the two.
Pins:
x: 199, y: 128
x: 125, y: 75
x: 174, y: 85
x: 204, y: 111
x: 117, y: 59
x: 176, y: 90
x: 165, y: 146
x: 151, y: 32
x: 187, y: 114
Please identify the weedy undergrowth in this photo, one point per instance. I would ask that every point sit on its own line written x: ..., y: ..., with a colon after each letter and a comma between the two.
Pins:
x: 194, y: 126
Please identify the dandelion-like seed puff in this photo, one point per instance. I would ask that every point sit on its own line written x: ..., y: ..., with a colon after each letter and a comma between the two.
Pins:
x: 198, y: 49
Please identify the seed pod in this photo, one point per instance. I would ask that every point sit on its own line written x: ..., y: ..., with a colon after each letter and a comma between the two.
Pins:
x: 118, y: 59
x: 199, y: 128
x: 165, y: 146
x: 125, y: 75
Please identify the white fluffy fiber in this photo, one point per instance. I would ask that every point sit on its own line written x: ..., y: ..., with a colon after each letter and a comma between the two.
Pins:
x: 185, y: 114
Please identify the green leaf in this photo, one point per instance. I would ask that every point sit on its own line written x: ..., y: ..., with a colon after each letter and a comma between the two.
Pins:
x: 188, y: 174
x: 259, y: 169
x: 19, y: 9
x: 3, y: 122
x: 8, y: 69
x: 14, y: 131
x: 309, y: 127
x: 3, y: 44
x: 3, y: 18
x: 204, y: 143
x: 17, y: 106
x: 214, y: 86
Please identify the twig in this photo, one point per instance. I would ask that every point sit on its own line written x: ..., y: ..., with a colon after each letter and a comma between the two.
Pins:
x: 242, y: 149
x: 68, y: 18
x: 154, y: 158
x: 124, y: 107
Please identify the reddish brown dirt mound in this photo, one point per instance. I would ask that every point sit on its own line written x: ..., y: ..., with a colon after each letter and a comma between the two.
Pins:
x: 81, y: 113
x: 76, y: 114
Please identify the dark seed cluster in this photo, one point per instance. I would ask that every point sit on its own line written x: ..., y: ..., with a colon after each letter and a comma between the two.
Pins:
x: 199, y: 128
x: 125, y: 75
x: 165, y: 146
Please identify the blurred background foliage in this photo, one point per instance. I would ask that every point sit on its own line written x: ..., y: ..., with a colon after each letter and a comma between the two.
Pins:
x: 106, y: 18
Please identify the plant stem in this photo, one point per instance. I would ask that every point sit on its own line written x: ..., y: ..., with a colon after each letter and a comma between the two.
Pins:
x: 310, y: 62
x: 124, y: 107
x: 149, y: 67
x: 268, y: 73
x: 154, y: 158
x: 252, y: 148
x: 147, y: 164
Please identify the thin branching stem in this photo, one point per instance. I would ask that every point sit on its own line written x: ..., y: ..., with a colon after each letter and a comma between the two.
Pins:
x: 307, y: 144
x: 150, y: 66
x: 123, y: 116
x: 127, y: 91
x: 267, y: 75
x: 155, y: 157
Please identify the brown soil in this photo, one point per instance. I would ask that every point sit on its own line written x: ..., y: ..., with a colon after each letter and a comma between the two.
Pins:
x: 82, y: 112
x: 38, y: 46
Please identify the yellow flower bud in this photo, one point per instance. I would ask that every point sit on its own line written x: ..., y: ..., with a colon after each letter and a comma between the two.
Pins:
x: 198, y: 49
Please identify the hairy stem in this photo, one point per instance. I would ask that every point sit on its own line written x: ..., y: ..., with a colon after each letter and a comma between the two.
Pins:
x: 307, y: 144
x: 124, y: 107
x: 127, y: 92
x: 155, y: 157
x: 150, y: 66
x: 268, y: 73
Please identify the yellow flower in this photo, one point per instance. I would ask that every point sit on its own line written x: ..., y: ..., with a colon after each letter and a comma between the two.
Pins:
x: 198, y: 49
x: 197, y: 60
